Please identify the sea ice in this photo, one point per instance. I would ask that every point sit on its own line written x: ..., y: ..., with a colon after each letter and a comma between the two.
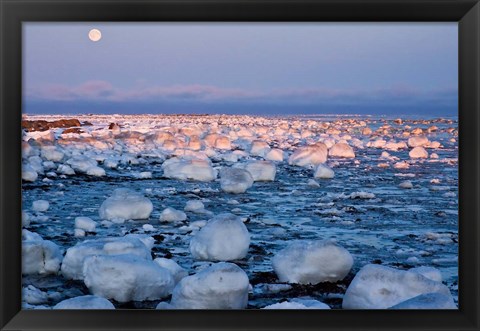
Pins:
x: 220, y: 286
x: 28, y: 173
x: 40, y: 205
x: 224, y: 238
x: 381, y: 287
x: 85, y: 223
x: 125, y: 204
x: 298, y: 304
x: 85, y: 302
x: 261, y: 170
x: 81, y: 163
x: 175, y: 270
x: 312, y: 262
x: 418, y: 153
x: 427, y: 301
x: 311, y: 155
x: 126, y: 278
x: 418, y: 141
x: 275, y: 154
x: 235, y: 180
x: 51, y: 153
x: 195, y: 206
x: 323, y: 171
x: 33, y: 295
x: 172, y: 215
x: 39, y: 256
x: 194, y: 169
x: 341, y: 150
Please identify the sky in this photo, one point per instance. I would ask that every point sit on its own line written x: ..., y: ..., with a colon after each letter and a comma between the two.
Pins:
x: 253, y: 68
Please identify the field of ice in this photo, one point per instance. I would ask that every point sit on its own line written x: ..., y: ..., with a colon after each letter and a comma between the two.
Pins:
x: 234, y: 212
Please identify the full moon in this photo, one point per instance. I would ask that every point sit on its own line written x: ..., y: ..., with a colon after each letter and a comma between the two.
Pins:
x: 95, y: 35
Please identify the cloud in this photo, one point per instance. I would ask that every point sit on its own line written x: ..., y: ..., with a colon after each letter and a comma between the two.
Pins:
x: 103, y: 91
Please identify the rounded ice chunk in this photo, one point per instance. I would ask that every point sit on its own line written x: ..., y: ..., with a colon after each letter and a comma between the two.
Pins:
x: 418, y: 141
x: 85, y: 223
x: 380, y: 287
x: 298, y: 304
x: 81, y: 163
x: 85, y: 302
x: 418, y: 153
x: 172, y: 215
x: 312, y: 262
x: 275, y: 154
x: 126, y: 278
x: 406, y: 184
x: 261, y: 170
x: 323, y: 171
x: 75, y: 257
x: 427, y: 301
x: 51, y: 153
x: 224, y: 238
x: 40, y: 205
x: 235, y: 180
x: 175, y: 270
x: 220, y: 286
x: 341, y: 150
x: 194, y: 169
x: 125, y: 204
x: 429, y: 272
x: 195, y: 206
x: 39, y: 256
x: 28, y: 173
x: 311, y: 155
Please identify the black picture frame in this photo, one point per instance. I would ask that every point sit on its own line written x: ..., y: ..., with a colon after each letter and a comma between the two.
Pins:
x: 465, y: 12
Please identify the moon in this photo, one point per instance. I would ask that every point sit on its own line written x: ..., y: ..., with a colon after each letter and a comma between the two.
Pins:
x: 94, y: 35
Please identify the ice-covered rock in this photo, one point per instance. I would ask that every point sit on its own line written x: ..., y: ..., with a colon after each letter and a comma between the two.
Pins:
x: 341, y: 150
x: 220, y: 286
x: 235, y: 180
x: 298, y: 303
x: 224, y: 238
x: 311, y: 155
x: 28, y: 173
x: 85, y: 223
x: 172, y: 215
x: 85, y: 302
x: 40, y: 205
x: 418, y: 153
x: 381, y: 287
x: 261, y: 170
x: 39, y: 256
x: 126, y: 278
x: 418, y: 141
x: 75, y: 256
x: 195, y: 169
x: 312, y: 262
x: 323, y: 171
x: 175, y: 270
x: 427, y: 301
x: 125, y: 204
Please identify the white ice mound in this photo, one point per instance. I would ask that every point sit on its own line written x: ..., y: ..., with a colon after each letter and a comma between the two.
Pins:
x: 428, y: 301
x: 85, y: 223
x: 224, y: 238
x: 172, y: 215
x: 311, y: 155
x: 429, y: 272
x: 418, y: 153
x: 194, y: 169
x: 381, y: 287
x: 125, y: 204
x: 323, y: 171
x: 341, y: 150
x: 298, y: 304
x: 259, y: 148
x: 235, y: 180
x: 418, y: 141
x: 40, y: 205
x: 274, y: 155
x: 195, y: 206
x: 51, y: 153
x: 28, y: 173
x: 126, y: 278
x: 175, y: 270
x: 85, y: 302
x: 82, y: 163
x: 312, y: 262
x: 39, y: 256
x: 261, y: 170
x: 220, y: 286
x: 72, y: 265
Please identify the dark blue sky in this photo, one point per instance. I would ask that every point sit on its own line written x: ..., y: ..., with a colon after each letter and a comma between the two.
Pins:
x: 260, y: 68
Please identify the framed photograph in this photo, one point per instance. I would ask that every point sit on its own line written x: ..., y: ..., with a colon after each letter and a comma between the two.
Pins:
x: 286, y: 165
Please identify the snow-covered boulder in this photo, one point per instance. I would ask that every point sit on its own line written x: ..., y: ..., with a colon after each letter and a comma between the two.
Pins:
x: 125, y: 204
x: 175, y: 270
x: 311, y: 155
x: 418, y: 141
x: 298, y: 304
x: 172, y: 215
x: 341, y: 150
x: 195, y: 169
x: 381, y: 287
x: 39, y: 256
x: 126, y: 278
x: 224, y: 238
x: 235, y: 180
x: 40, y: 205
x: 261, y: 170
x: 85, y: 224
x: 323, y: 171
x: 427, y: 301
x: 312, y: 262
x: 220, y: 286
x: 85, y: 302
x: 75, y: 256
x: 418, y: 153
